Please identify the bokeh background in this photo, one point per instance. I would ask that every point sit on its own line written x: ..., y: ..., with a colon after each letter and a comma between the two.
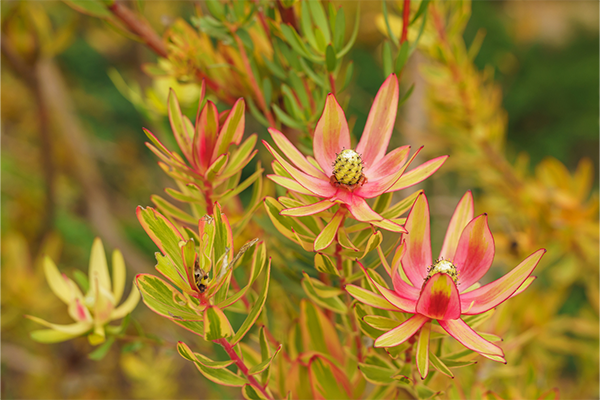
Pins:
x: 74, y: 166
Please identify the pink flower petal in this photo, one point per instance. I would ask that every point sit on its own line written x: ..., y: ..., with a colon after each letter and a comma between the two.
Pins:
x: 401, y: 333
x: 475, y: 252
x: 361, y: 211
x: 331, y: 134
x: 400, y: 286
x: 310, y: 209
x: 489, y: 296
x: 418, y: 174
x: 388, y: 164
x: 400, y: 300
x: 294, y: 155
x: 462, y: 332
x: 375, y: 188
x: 417, y: 256
x: 380, y: 122
x: 319, y: 187
x: 290, y: 184
x: 439, y: 298
x: 461, y: 217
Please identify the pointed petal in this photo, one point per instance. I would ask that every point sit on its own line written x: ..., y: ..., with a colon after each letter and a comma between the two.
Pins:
x: 388, y: 164
x: 118, y: 275
x: 328, y: 233
x: 128, y: 305
x: 398, y: 299
x: 317, y: 186
x: 331, y: 134
x: 73, y: 329
x: 290, y: 184
x: 361, y: 211
x: 380, y: 122
x: 462, y: 332
x: 400, y: 286
x: 494, y: 293
x: 310, y: 209
x: 418, y: 174
x: 401, y: 333
x: 461, y: 217
x: 439, y: 298
x: 58, y: 283
x: 475, y: 251
x: 205, y: 138
x: 383, y: 184
x: 294, y: 154
x: 417, y: 256
x: 524, y: 286
x: 98, y: 266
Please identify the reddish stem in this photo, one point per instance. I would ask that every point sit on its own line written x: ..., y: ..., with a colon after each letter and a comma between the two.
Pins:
x: 139, y: 27
x: 257, y: 92
x: 240, y: 364
x: 332, y: 83
x: 405, y: 21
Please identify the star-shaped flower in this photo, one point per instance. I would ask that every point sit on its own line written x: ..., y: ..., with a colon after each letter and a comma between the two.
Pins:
x: 447, y: 288
x: 346, y: 176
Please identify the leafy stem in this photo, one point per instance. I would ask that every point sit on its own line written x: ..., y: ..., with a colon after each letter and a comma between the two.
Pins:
x: 240, y: 364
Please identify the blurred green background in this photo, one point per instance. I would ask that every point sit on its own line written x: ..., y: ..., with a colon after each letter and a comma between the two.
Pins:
x: 82, y: 147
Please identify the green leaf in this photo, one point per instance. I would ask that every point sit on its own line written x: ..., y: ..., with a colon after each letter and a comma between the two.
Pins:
x: 95, y: 8
x: 240, y: 157
x: 216, y: 324
x: 360, y: 314
x: 406, y: 95
x: 318, y: 14
x: 348, y: 75
x: 233, y: 128
x: 306, y: 24
x: 381, y: 323
x: 101, y: 351
x: 374, y: 241
x: 402, y: 57
x: 325, y: 383
x: 387, y: 58
x: 311, y: 74
x: 216, y: 168
x: 255, y: 311
x: 286, y: 119
x: 325, y: 265
x: 267, y: 87
x: 339, y: 29
x: 326, y: 236
x: 390, y: 32
x: 216, y: 8
x: 250, y: 393
x: 376, y: 374
x: 163, y: 234
x: 440, y: 366
x: 423, y: 350
x: 292, y: 38
x: 420, y: 11
x: 256, y: 113
x: 258, y: 368
x: 331, y: 303
x: 165, y: 300
x: 245, y: 38
x: 330, y: 58
x: 401, y: 207
x: 275, y: 69
x: 354, y: 35
x: 178, y: 127
x: 368, y: 297
x: 221, y: 376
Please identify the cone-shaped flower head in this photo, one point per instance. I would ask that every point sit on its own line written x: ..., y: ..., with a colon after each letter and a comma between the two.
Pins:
x: 342, y: 175
x: 447, y: 288
x: 99, y: 305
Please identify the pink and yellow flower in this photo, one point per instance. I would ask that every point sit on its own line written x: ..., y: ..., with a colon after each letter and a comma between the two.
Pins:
x: 447, y: 288
x: 341, y: 175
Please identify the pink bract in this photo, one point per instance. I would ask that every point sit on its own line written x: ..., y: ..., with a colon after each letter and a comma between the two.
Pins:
x: 431, y: 295
x: 384, y: 172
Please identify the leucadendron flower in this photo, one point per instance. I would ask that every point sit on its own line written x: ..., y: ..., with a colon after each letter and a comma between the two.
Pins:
x: 344, y: 176
x: 446, y: 289
x: 94, y: 310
